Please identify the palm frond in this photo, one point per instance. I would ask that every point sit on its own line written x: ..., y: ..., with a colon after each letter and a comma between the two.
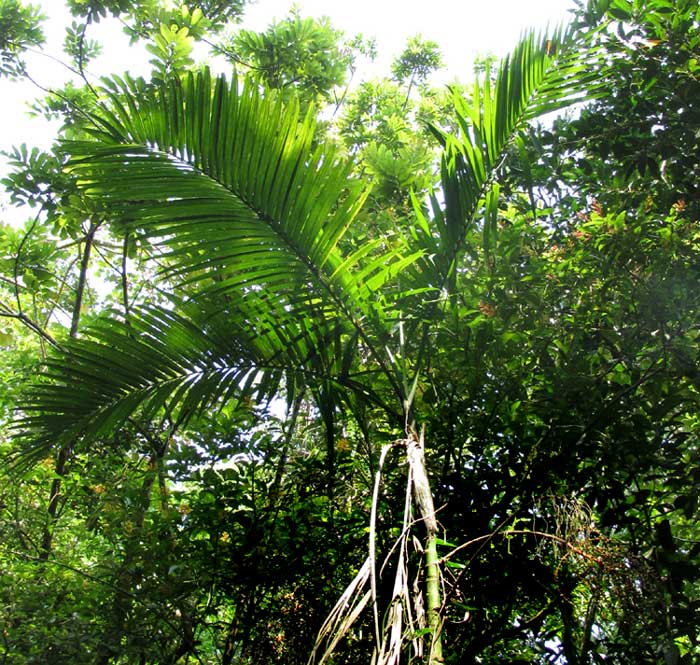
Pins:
x: 248, y: 214
x: 98, y: 382
x: 161, y: 364
x: 544, y: 73
x: 229, y: 184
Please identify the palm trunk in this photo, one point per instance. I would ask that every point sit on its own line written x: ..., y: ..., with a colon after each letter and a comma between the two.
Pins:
x: 426, y: 512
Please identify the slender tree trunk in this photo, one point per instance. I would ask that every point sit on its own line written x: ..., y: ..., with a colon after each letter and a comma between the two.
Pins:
x: 426, y: 511
x: 82, y: 280
x: 64, y: 452
x: 54, y: 503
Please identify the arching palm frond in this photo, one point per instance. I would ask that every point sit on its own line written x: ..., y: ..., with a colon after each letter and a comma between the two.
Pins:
x: 160, y: 364
x: 230, y: 185
x: 160, y: 359
x: 544, y: 73
x: 248, y: 215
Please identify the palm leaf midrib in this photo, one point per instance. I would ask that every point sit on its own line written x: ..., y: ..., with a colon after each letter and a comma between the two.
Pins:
x: 333, y: 278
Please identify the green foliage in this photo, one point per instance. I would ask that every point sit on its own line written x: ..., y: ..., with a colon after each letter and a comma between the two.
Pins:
x: 172, y: 48
x: 201, y: 19
x: 304, y: 231
x: 29, y: 261
x: 94, y: 10
x: 531, y: 81
x: 77, y: 47
x: 300, y: 54
x: 400, y: 171
x: 19, y: 30
x: 379, y: 124
x: 172, y: 35
x: 169, y: 163
x: 650, y: 155
x: 418, y: 60
x: 35, y: 180
x: 557, y: 365
x: 535, y: 310
x: 69, y: 105
x: 376, y: 111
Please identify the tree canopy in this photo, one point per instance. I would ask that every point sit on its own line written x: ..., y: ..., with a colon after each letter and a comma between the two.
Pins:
x: 300, y: 369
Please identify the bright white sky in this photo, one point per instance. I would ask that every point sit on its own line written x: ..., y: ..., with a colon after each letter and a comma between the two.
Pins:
x: 462, y: 28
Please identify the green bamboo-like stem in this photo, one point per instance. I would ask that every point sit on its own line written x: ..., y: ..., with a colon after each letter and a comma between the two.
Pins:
x: 426, y: 511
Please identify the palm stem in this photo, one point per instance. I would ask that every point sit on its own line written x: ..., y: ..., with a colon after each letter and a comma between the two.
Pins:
x: 426, y: 510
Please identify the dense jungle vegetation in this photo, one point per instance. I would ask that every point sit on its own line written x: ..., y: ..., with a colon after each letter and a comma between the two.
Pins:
x: 298, y: 368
